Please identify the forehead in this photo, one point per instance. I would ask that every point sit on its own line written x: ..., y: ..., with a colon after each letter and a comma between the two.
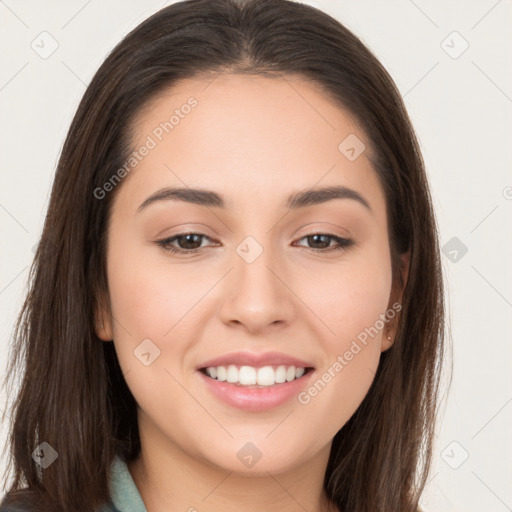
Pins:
x: 249, y: 105
x: 248, y: 132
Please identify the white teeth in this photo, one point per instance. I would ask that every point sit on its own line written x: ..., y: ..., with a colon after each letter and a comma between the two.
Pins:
x: 232, y: 374
x: 266, y: 376
x: 247, y: 376
x: 281, y: 374
x: 250, y: 376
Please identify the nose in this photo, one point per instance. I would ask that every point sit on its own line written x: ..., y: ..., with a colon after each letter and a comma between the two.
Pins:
x: 258, y: 294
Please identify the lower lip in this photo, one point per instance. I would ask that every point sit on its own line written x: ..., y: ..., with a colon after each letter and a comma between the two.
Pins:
x: 256, y: 399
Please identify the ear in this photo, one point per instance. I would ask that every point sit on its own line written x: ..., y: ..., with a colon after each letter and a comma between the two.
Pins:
x: 395, y: 301
x: 103, y: 319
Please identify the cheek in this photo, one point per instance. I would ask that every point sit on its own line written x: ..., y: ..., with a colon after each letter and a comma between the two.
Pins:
x: 351, y: 304
x: 145, y: 306
x: 148, y: 298
x: 157, y: 311
x: 150, y: 309
x: 348, y: 299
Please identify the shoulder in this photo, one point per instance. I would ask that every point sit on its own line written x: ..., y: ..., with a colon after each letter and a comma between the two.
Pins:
x: 27, y: 502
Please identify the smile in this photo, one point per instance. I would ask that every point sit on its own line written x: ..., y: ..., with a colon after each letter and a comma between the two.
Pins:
x: 255, y: 397
x: 254, y: 377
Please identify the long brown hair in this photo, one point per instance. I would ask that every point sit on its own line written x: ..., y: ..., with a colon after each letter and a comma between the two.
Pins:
x: 73, y: 395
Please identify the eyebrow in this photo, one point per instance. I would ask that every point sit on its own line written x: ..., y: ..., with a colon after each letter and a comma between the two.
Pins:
x: 294, y: 201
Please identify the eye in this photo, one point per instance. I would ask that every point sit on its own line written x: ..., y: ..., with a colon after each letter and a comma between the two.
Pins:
x: 321, y: 242
x: 187, y: 243
x: 191, y: 243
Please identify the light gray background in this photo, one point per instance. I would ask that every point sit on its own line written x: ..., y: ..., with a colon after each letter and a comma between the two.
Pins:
x: 461, y: 106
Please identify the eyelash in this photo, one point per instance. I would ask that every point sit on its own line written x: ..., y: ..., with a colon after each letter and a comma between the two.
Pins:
x: 342, y: 243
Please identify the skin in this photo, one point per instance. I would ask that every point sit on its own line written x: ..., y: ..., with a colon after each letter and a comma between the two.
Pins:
x: 254, y: 140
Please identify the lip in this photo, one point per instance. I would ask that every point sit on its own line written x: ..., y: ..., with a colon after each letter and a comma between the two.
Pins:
x: 255, y: 399
x: 256, y: 360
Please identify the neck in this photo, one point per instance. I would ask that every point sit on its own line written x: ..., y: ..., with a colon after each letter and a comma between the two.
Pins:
x: 173, y: 480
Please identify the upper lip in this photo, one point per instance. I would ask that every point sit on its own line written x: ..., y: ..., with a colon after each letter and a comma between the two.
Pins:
x: 256, y: 360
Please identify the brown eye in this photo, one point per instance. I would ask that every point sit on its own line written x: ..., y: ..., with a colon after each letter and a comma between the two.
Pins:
x: 185, y: 243
x: 322, y: 242
x: 189, y: 241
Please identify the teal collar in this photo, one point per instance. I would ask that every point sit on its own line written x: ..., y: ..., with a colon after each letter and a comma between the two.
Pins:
x: 123, y: 491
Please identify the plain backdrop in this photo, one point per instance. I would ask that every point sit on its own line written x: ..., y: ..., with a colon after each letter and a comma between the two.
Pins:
x: 452, y: 63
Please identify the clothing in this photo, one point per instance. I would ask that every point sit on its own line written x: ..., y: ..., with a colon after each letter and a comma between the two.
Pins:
x: 124, y: 495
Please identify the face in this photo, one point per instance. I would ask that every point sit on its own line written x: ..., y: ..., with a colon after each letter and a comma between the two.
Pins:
x: 259, y: 279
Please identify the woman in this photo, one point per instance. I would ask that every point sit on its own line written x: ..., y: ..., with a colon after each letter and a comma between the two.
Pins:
x: 237, y: 299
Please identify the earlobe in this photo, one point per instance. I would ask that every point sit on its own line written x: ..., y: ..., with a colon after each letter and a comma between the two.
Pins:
x: 387, y: 343
x: 103, y: 332
x: 398, y: 288
x: 103, y: 323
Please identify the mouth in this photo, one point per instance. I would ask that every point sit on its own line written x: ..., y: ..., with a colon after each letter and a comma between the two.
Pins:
x: 255, y: 389
x: 254, y: 381
x: 256, y: 377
